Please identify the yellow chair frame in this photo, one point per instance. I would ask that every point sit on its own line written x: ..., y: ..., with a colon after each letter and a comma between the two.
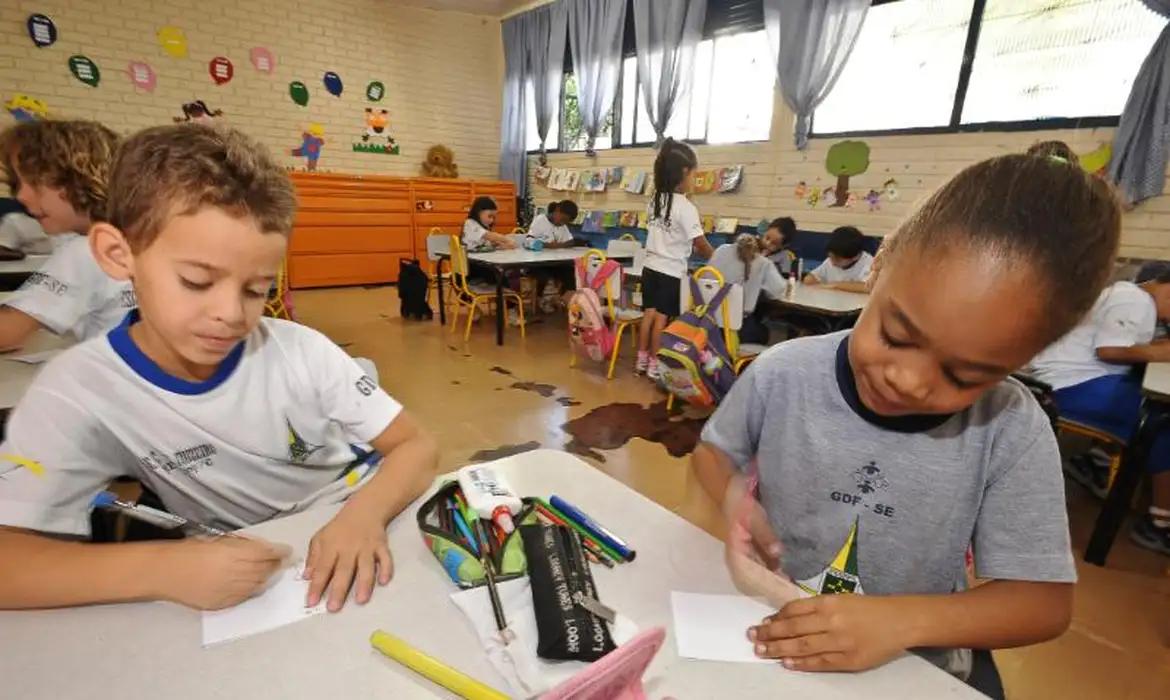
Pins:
x: 436, y: 269
x: 279, y: 304
x: 730, y: 338
x: 1067, y: 426
x: 620, y: 325
x: 462, y: 295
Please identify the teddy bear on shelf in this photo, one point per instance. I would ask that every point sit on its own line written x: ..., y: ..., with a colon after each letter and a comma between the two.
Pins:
x: 440, y: 162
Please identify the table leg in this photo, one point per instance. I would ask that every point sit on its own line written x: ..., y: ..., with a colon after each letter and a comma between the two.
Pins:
x: 439, y: 287
x: 499, y: 306
x: 1120, y: 496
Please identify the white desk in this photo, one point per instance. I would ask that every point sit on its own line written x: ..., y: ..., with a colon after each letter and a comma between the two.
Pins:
x: 15, y: 377
x: 30, y: 263
x: 819, y: 300
x: 152, y: 650
x: 1157, y: 380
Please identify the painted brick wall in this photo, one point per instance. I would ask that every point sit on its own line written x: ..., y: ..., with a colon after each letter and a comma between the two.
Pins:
x: 442, y: 72
x: 918, y: 163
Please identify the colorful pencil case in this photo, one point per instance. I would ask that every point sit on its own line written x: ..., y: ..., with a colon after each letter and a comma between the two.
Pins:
x: 449, y: 543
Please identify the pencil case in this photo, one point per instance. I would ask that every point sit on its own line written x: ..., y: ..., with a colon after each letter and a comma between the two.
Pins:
x: 559, y: 574
x: 442, y: 536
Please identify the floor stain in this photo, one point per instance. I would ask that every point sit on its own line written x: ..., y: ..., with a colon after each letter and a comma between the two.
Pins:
x: 610, y: 426
x: 568, y: 401
x: 504, y: 451
x: 456, y: 382
x: 545, y: 390
x: 500, y: 370
x: 452, y: 347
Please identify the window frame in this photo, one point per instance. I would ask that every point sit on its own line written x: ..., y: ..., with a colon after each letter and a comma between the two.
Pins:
x: 956, y: 125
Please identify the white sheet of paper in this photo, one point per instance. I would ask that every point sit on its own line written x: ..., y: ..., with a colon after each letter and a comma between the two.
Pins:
x: 714, y: 627
x: 282, y: 604
x: 35, y: 358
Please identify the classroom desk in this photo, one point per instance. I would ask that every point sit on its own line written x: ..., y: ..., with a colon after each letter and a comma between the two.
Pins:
x: 500, y: 261
x: 153, y: 649
x: 15, y: 377
x: 13, y: 273
x: 835, y: 307
x: 1155, y: 395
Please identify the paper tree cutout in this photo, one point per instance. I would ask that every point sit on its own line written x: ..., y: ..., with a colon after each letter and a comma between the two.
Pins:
x: 845, y: 159
x: 262, y: 59
x: 173, y: 41
x: 85, y: 70
x: 142, y: 76
x: 298, y: 92
x: 41, y: 30
x: 333, y: 83
x: 221, y: 70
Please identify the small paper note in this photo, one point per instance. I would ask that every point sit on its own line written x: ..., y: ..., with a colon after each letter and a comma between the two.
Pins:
x: 282, y: 604
x: 714, y: 627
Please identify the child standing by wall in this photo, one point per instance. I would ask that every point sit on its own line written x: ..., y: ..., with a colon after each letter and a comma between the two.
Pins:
x: 477, y: 229
x: 232, y: 419
x: 885, y: 452
x: 675, y: 229
x: 1092, y: 369
x: 60, y: 171
x: 743, y: 263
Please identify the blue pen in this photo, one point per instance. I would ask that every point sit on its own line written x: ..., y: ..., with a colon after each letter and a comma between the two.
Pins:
x: 595, y: 528
x: 461, y: 524
x: 159, y: 518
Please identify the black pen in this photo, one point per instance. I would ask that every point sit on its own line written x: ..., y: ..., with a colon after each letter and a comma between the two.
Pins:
x: 489, y: 572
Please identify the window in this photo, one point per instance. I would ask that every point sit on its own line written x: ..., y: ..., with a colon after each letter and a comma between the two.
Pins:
x: 573, y: 135
x: 553, y: 141
x: 1030, y: 64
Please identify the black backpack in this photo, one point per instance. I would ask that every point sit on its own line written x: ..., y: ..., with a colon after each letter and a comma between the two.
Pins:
x: 412, y: 290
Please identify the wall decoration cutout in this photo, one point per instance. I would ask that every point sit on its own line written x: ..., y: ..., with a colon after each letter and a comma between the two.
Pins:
x: 333, y: 84
x: 298, y: 92
x: 376, y: 137
x: 801, y: 190
x: 829, y: 197
x: 729, y: 179
x: 814, y: 197
x: 41, y: 30
x: 424, y: 205
x: 874, y: 199
x: 198, y: 112
x: 375, y: 91
x: 312, y: 139
x: 85, y: 70
x: 703, y: 181
x: 173, y: 41
x: 890, y: 187
x: 142, y: 76
x: 846, y: 159
x: 1097, y: 160
x: 24, y: 108
x: 541, y: 174
x: 440, y: 162
x: 262, y: 59
x: 221, y: 70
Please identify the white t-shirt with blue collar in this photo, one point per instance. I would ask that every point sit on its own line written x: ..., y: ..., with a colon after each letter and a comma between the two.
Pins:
x: 274, y: 430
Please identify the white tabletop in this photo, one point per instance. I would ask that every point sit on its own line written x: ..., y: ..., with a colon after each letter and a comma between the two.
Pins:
x: 30, y: 263
x: 826, y: 301
x: 523, y: 256
x: 1157, y: 380
x: 151, y: 650
x: 15, y: 377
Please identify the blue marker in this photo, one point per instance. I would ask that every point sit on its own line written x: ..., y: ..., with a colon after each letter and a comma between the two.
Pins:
x: 158, y: 518
x: 595, y: 528
x: 461, y: 524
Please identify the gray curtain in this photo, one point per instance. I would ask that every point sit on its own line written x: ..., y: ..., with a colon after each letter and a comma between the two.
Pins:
x: 513, y: 135
x: 595, y: 40
x: 666, y: 33
x: 546, y: 36
x: 1140, y: 145
x: 811, y: 41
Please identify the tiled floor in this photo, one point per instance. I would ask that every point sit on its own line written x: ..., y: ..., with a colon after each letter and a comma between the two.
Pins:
x: 1119, y: 644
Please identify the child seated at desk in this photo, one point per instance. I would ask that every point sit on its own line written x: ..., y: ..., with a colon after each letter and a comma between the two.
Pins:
x: 777, y: 244
x: 848, y: 264
x: 60, y: 171
x: 552, y: 228
x: 232, y: 419
x: 742, y: 263
x: 477, y: 233
x: 1095, y: 371
x: 884, y: 453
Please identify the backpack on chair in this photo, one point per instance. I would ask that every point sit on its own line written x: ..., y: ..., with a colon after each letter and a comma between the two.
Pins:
x: 693, y: 356
x: 412, y: 291
x: 590, y: 334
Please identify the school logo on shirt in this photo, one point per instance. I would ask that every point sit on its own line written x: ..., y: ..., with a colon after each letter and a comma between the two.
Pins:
x: 50, y: 283
x: 867, y: 481
x: 189, y: 460
x: 841, y: 575
x: 299, y: 450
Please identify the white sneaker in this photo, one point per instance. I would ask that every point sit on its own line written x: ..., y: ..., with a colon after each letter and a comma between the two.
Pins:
x: 653, y: 371
x: 641, y: 363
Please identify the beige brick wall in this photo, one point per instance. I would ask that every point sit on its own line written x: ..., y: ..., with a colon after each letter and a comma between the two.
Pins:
x: 918, y: 163
x: 442, y: 72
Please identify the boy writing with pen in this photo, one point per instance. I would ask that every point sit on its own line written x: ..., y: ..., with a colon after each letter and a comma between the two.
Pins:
x: 230, y: 418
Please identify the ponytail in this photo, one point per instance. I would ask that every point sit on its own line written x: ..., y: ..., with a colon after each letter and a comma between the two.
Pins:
x: 670, y: 167
x: 747, y: 248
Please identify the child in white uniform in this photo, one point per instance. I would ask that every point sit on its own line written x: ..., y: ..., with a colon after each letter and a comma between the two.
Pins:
x: 232, y: 419
x: 60, y: 172
x: 743, y: 263
x: 477, y: 229
x: 847, y: 267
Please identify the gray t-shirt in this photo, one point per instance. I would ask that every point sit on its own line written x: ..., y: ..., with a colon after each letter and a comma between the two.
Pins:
x: 866, y: 503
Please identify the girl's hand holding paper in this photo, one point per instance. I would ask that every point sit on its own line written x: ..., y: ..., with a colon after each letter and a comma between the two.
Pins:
x: 753, y: 550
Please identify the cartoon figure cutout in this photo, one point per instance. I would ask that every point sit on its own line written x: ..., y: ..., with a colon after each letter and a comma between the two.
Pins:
x: 312, y: 140
x: 376, y: 137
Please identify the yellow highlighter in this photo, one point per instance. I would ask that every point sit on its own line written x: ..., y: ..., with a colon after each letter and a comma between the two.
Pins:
x: 432, y: 669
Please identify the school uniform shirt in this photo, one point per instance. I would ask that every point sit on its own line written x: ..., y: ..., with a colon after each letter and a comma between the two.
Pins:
x: 72, y: 293
x: 277, y: 428
x: 886, y: 506
x: 668, y: 244
x: 474, y: 235
x: 544, y: 230
x: 1123, y: 316
x: 829, y: 273
x: 24, y: 233
x: 764, y: 276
